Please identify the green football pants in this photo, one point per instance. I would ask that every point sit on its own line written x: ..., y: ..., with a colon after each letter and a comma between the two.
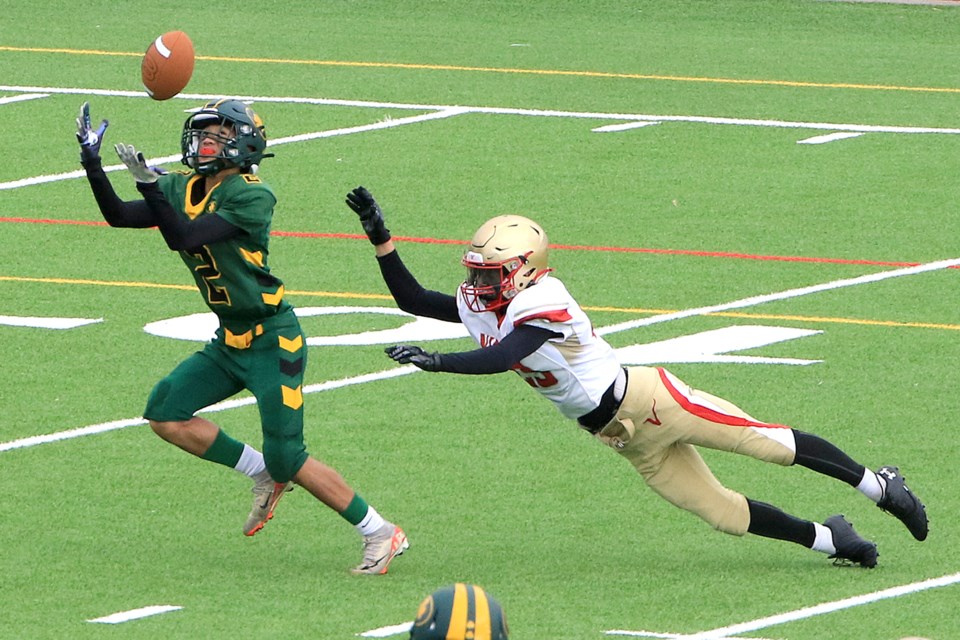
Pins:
x: 271, y: 366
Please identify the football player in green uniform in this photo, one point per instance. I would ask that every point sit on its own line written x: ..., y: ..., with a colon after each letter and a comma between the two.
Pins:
x: 217, y: 216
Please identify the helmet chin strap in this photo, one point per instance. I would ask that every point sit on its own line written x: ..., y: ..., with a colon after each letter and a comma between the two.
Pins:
x: 215, y: 165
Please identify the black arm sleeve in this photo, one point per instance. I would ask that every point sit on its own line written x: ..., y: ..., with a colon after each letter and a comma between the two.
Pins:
x: 413, y: 298
x: 500, y: 357
x: 180, y: 233
x: 115, y: 211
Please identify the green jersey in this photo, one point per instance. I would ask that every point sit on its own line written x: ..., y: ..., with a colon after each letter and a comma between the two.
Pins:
x: 232, y: 274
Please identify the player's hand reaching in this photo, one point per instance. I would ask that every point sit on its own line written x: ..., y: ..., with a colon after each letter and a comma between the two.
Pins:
x: 371, y: 217
x: 88, y: 137
x: 409, y: 354
x: 137, y: 164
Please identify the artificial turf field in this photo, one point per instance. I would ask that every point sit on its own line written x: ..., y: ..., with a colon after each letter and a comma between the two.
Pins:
x: 781, y: 174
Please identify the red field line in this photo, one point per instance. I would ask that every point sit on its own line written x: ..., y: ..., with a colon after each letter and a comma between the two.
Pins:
x: 571, y: 247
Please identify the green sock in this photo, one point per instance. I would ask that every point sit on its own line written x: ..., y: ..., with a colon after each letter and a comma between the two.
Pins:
x: 224, y: 450
x: 356, y: 510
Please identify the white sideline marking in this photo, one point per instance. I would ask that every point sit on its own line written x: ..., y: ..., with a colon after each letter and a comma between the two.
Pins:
x: 47, y: 323
x: 220, y: 406
x: 727, y: 633
x: 595, y: 115
x: 623, y: 126
x: 671, y: 636
x: 442, y: 112
x: 384, y: 124
x: 22, y: 97
x: 827, y: 607
x: 136, y: 614
x: 92, y: 429
x: 830, y: 137
x: 782, y: 295
x: 386, y: 632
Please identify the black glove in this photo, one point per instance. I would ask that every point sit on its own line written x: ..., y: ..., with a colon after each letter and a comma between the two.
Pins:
x: 371, y: 217
x: 409, y: 354
x: 88, y: 137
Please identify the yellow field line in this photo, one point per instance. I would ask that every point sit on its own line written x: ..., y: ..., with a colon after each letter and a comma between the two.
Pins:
x: 632, y: 310
x: 184, y: 287
x: 545, y: 72
x: 102, y: 283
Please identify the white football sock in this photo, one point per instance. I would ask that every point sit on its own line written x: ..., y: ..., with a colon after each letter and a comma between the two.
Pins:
x: 251, y: 462
x: 823, y: 542
x: 370, y: 523
x: 872, y: 485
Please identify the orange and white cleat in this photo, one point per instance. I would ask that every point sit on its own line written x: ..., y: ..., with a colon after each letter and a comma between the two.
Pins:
x: 380, y: 548
x: 266, y: 495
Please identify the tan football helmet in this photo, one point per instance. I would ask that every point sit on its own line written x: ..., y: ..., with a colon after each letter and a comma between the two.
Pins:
x: 506, y: 255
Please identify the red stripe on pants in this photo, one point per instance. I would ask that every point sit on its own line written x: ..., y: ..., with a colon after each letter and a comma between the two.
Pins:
x: 706, y: 413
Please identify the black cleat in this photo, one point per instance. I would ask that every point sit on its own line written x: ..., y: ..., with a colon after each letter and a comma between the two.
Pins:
x: 899, y: 501
x: 849, y: 545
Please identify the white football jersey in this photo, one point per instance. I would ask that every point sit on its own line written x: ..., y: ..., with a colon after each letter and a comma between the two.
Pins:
x: 572, y: 370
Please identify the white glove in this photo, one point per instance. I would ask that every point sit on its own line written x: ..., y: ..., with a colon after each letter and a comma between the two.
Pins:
x: 136, y: 164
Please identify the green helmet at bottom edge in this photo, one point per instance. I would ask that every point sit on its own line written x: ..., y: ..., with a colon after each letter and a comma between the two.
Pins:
x: 460, y: 612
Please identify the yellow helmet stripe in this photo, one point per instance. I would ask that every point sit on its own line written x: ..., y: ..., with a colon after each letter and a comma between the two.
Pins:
x: 482, y: 615
x: 458, y: 614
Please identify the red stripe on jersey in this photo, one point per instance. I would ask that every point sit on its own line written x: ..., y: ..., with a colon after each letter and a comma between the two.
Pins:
x: 706, y: 413
x: 558, y: 315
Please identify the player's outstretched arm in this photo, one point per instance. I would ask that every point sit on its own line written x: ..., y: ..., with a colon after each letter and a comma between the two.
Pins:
x: 371, y: 218
x: 496, y: 358
x: 406, y: 291
x: 88, y: 137
x: 117, y: 212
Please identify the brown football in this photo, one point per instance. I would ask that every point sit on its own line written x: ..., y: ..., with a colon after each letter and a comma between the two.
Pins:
x: 167, y: 65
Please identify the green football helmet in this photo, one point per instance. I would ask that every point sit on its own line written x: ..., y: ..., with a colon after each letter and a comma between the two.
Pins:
x: 459, y: 612
x: 243, y: 147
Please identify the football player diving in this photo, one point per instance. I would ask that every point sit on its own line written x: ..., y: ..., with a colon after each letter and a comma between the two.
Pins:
x: 526, y: 321
x: 217, y: 216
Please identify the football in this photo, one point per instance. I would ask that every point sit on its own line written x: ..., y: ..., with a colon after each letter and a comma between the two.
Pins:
x: 167, y: 65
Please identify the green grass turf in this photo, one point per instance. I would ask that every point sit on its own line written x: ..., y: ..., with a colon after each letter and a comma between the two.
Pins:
x: 491, y: 484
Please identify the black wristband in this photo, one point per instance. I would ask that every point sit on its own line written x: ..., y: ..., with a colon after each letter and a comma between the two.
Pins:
x: 378, y: 235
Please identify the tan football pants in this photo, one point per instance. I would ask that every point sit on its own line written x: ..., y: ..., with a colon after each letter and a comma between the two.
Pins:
x: 660, y: 422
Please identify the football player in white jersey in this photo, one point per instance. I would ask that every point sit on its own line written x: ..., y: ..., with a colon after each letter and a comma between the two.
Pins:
x: 524, y: 320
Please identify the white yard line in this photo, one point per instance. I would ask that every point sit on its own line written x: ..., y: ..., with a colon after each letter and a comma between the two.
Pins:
x: 47, y: 323
x: 827, y: 607
x: 596, y: 115
x: 782, y: 295
x: 830, y: 137
x: 667, y: 636
x: 623, y: 126
x: 103, y: 427
x: 375, y: 126
x: 386, y: 632
x: 136, y: 614
x: 634, y: 120
x: 623, y: 326
x: 732, y: 632
x: 22, y: 97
